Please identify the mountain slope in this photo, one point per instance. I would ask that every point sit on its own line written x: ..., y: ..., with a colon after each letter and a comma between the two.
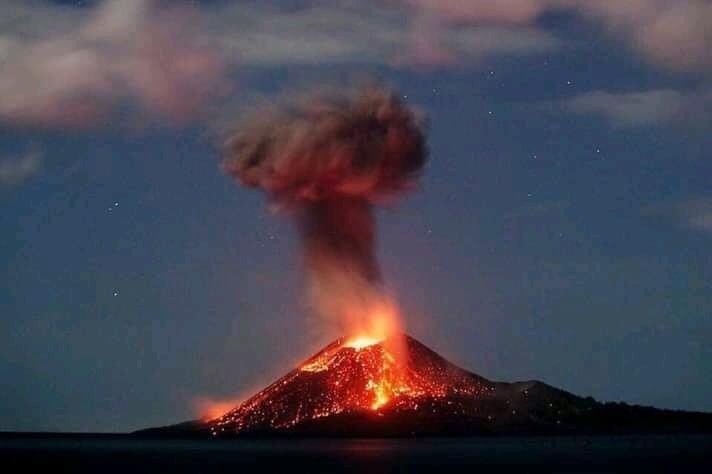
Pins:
x: 399, y: 387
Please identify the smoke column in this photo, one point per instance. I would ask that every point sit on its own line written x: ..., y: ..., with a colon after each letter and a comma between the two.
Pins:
x: 328, y: 158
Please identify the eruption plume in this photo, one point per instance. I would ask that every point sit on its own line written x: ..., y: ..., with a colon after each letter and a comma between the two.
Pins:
x: 328, y: 158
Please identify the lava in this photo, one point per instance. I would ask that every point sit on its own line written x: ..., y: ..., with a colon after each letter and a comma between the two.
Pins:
x: 355, y: 387
x: 382, y: 393
x: 356, y: 375
x: 359, y: 343
x: 328, y: 159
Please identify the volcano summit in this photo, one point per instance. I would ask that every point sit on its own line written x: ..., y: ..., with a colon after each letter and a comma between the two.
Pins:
x: 399, y: 387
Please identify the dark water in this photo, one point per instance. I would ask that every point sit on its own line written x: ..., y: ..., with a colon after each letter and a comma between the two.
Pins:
x: 108, y: 454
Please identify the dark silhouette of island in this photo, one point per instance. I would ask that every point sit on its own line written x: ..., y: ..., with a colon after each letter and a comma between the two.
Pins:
x: 380, y: 389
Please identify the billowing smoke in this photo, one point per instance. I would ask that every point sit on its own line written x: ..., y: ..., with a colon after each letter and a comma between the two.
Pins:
x: 327, y: 158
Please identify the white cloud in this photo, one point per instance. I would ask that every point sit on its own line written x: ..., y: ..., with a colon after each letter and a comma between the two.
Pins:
x: 16, y: 170
x: 645, y: 108
x: 484, y: 11
x: 630, y: 109
x: 73, y: 72
x: 61, y: 65
x: 342, y: 32
x: 671, y: 33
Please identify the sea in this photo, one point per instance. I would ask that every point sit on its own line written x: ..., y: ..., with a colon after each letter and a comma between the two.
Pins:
x: 125, y: 454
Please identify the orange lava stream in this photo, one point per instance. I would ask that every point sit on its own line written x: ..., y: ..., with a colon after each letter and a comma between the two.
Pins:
x: 377, y: 368
x: 361, y: 373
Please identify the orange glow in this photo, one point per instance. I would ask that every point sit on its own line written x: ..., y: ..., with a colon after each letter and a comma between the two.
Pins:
x: 359, y: 343
x: 382, y: 328
x: 369, y: 370
x: 380, y: 323
x: 351, y: 375
x: 382, y: 394
x: 209, y: 409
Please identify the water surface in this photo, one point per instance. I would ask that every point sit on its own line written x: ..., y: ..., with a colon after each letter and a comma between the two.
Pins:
x: 114, y: 454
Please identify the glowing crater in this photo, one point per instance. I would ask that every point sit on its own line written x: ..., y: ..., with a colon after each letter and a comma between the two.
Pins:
x: 359, y: 343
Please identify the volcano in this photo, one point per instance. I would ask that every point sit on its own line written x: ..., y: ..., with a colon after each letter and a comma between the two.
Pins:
x: 399, y: 387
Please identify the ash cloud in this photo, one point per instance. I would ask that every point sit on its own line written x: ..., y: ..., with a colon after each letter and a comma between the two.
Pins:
x: 328, y: 158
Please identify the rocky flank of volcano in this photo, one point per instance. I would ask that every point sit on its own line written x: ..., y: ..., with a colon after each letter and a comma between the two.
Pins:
x: 400, y: 387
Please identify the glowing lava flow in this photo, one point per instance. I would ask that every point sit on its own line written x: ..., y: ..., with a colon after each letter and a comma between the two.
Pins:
x: 381, y: 390
x: 378, y: 364
x: 357, y: 376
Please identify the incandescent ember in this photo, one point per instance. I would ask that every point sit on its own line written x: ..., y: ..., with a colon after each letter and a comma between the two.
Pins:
x: 364, y: 376
x: 397, y: 387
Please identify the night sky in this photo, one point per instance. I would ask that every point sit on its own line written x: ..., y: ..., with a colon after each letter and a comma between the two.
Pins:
x: 562, y: 230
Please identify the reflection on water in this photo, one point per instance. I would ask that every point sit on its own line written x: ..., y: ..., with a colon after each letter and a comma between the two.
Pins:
x: 369, y: 456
